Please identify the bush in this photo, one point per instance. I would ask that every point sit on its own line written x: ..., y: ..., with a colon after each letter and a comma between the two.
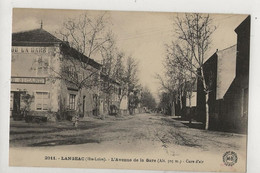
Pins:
x: 36, y: 119
x: 69, y: 114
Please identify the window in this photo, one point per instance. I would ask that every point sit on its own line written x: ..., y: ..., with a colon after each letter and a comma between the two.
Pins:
x: 43, y: 64
x: 42, y: 100
x: 72, y: 72
x: 72, y: 98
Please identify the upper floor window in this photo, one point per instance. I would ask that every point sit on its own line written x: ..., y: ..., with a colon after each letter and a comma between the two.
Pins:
x: 72, y: 73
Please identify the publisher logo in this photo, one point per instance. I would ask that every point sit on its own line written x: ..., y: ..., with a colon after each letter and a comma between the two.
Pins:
x: 230, y: 158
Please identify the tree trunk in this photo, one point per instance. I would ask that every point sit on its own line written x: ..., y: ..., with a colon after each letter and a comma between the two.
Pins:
x: 207, y: 98
x: 173, y: 109
x: 190, y: 117
x: 172, y: 106
x: 207, y: 112
x: 76, y: 117
x: 108, y: 104
x: 181, y: 101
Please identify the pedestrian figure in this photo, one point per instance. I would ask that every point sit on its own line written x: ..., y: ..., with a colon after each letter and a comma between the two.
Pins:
x: 75, y: 120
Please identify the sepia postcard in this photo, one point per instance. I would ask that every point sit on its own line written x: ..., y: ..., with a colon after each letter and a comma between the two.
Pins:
x: 129, y: 90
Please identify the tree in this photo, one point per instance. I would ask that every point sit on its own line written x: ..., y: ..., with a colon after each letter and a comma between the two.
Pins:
x: 120, y: 74
x: 147, y: 99
x: 131, y: 80
x: 86, y: 33
x: 175, y: 80
x: 131, y: 73
x: 166, y: 103
x: 27, y: 100
x: 90, y: 35
x: 113, y: 71
x: 168, y: 86
x: 178, y: 63
x: 194, y: 37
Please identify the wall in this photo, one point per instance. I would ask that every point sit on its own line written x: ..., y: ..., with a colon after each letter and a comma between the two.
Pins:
x: 236, y: 98
x: 25, y: 63
x: 226, y: 70
x: 67, y: 88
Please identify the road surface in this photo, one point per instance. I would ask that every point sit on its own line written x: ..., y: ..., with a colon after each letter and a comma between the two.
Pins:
x: 137, y: 133
x: 138, y: 136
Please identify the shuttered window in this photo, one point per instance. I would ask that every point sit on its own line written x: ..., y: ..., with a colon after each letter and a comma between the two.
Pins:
x: 42, y: 101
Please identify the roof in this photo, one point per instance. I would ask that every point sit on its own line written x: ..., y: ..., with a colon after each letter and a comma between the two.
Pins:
x: 34, y: 37
x: 243, y: 25
x: 106, y: 78
x: 66, y: 49
x: 40, y: 37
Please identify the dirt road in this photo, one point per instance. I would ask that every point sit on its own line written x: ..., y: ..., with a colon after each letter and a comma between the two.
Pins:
x: 144, y: 133
x: 153, y: 138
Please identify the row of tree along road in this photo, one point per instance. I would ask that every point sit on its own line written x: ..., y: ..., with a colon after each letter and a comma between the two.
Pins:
x: 184, y: 60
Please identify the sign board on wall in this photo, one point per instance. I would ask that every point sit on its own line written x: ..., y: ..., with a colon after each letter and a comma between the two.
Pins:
x: 16, y: 49
x: 28, y: 80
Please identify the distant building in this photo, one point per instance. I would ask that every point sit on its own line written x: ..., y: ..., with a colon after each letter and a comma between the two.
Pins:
x: 110, y: 94
x: 185, y: 103
x: 37, y: 61
x: 191, y: 100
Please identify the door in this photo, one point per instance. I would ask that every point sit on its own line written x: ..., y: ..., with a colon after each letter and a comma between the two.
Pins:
x: 16, y: 105
x: 83, y: 105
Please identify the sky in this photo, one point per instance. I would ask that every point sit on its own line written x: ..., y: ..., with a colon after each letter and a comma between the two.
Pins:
x: 142, y: 35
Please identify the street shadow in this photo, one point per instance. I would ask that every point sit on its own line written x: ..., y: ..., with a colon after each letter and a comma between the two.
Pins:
x: 75, y: 141
x: 37, y: 129
x: 194, y: 125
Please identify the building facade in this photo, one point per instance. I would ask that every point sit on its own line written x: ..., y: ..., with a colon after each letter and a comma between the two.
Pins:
x: 235, y: 112
x: 219, y: 72
x: 227, y: 77
x: 46, y: 74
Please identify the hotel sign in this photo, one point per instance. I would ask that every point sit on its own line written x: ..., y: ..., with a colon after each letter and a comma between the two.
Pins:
x: 28, y: 80
x: 29, y: 49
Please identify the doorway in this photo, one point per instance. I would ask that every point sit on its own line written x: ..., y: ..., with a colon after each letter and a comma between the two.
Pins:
x: 16, y: 112
x: 83, y: 106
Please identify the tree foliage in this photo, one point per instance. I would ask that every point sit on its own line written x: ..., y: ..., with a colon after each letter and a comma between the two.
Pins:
x: 147, y: 99
x: 87, y: 33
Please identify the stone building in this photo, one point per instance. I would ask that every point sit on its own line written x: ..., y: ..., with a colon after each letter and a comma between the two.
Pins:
x: 48, y: 77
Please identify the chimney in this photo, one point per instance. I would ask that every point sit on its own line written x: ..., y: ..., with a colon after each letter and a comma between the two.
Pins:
x: 41, y: 24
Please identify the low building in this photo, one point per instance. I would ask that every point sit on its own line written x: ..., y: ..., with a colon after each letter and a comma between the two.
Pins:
x: 47, y: 77
x: 219, y: 72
